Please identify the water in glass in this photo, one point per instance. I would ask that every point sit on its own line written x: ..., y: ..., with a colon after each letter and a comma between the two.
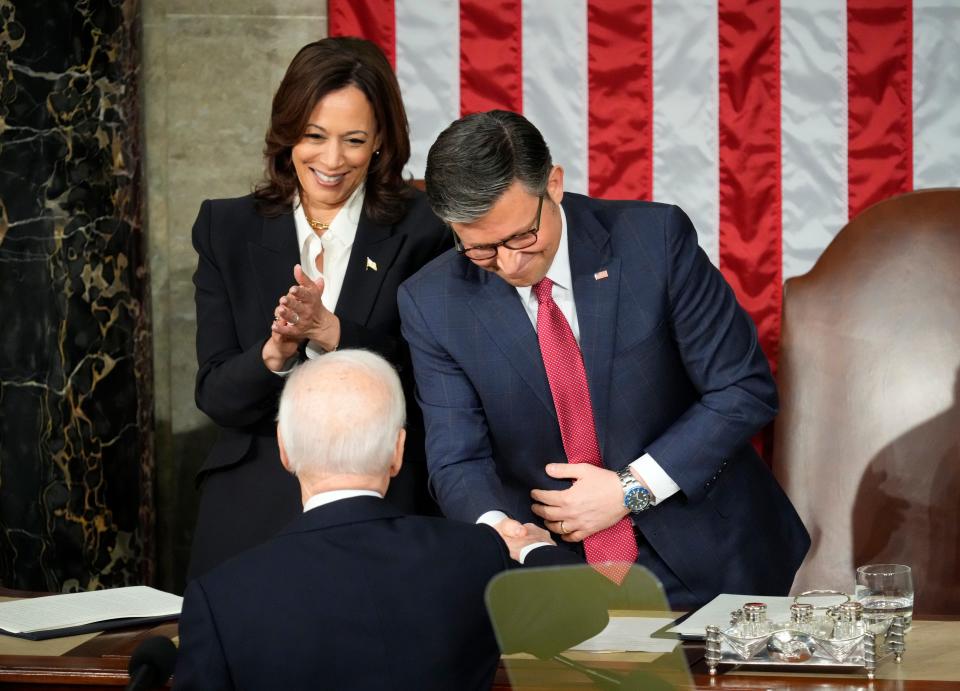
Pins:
x: 885, y: 591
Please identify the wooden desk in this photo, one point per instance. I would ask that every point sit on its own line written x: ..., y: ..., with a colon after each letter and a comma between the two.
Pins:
x: 560, y: 677
x: 97, y: 663
x: 931, y: 663
x: 101, y: 663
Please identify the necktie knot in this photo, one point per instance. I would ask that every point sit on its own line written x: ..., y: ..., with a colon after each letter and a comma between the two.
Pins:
x: 543, y: 289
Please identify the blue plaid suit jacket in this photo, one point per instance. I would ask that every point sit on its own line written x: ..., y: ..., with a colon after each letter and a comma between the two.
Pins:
x: 674, y: 370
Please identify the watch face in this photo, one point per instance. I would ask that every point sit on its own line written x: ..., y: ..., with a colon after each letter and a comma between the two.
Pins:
x: 637, y: 499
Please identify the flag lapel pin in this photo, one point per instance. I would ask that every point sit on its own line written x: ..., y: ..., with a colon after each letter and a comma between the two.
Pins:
x: 600, y: 275
x: 371, y: 264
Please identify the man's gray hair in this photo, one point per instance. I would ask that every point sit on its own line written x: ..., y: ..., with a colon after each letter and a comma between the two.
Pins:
x: 478, y: 157
x: 341, y: 413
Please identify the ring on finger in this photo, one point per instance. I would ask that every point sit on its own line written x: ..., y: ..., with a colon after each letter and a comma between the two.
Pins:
x: 295, y: 319
x: 562, y: 530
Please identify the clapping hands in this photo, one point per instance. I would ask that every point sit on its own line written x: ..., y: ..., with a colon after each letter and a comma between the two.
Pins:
x: 301, y: 314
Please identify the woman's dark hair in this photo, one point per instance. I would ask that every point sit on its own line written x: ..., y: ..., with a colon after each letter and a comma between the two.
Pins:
x: 318, y: 69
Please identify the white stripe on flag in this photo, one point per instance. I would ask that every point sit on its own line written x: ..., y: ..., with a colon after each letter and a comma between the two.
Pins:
x: 428, y: 69
x: 936, y: 93
x: 555, y: 82
x: 813, y: 97
x: 686, y: 114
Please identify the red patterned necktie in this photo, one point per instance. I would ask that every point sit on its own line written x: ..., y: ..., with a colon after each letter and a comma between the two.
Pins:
x: 571, y: 397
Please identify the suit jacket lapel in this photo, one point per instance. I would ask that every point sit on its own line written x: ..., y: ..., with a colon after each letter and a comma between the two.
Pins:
x: 377, y: 246
x: 596, y: 298
x: 273, y: 256
x: 498, y: 307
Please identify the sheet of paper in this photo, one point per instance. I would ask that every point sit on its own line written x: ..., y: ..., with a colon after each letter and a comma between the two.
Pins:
x: 717, y: 611
x: 74, y: 609
x: 630, y: 634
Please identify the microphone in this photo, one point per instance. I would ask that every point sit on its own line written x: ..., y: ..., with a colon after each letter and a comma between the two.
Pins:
x: 151, y: 664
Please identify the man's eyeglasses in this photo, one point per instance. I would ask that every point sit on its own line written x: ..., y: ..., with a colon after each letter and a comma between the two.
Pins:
x: 520, y: 241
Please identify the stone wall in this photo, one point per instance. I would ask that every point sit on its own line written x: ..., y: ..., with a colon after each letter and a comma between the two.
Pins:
x: 209, y: 71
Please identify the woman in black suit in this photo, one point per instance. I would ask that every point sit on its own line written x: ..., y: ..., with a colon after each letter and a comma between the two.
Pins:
x: 309, y: 263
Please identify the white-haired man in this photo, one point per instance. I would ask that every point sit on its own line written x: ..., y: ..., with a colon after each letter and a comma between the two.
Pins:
x: 353, y: 594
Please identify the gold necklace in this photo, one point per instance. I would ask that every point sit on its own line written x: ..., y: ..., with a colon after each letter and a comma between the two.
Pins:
x: 317, y: 225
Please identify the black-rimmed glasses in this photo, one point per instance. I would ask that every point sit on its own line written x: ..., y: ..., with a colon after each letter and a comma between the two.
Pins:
x: 520, y: 241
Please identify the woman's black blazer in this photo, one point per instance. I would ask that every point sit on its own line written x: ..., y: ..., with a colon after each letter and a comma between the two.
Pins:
x: 245, y: 265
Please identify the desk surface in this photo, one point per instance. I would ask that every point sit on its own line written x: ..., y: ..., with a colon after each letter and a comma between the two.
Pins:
x: 931, y: 663
x: 554, y: 676
x: 101, y: 663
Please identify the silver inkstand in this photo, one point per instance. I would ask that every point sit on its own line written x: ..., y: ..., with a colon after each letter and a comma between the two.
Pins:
x: 813, y: 639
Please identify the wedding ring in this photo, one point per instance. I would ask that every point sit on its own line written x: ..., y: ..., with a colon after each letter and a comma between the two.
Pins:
x: 296, y: 318
x: 562, y: 531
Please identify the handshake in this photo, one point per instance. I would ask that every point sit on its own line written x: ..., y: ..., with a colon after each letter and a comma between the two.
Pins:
x: 519, y: 535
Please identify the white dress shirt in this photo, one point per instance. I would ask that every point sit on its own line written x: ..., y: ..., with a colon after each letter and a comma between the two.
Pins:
x: 654, y: 477
x: 335, y: 246
x: 333, y: 495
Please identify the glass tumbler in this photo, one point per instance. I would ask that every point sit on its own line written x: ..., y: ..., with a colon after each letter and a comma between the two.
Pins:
x: 884, y: 590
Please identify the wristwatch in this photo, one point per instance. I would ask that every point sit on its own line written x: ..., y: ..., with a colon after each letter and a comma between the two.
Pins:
x: 636, y: 497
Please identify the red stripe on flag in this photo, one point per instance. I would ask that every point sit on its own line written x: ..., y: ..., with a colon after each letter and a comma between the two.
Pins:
x: 620, y: 132
x: 374, y: 20
x: 491, y: 55
x: 880, y: 100
x: 750, y: 196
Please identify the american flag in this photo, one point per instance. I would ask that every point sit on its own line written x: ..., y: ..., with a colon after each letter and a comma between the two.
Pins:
x: 771, y: 123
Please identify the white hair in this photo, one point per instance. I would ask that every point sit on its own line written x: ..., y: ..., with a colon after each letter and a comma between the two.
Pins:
x: 342, y: 413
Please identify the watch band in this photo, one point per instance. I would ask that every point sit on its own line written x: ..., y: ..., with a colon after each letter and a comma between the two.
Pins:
x: 627, y: 479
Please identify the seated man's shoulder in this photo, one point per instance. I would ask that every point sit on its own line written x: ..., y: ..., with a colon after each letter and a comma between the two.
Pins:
x: 469, y: 541
x: 249, y: 569
x: 453, y: 529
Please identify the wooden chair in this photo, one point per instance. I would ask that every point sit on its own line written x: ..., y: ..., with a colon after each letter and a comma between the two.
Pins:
x: 867, y: 443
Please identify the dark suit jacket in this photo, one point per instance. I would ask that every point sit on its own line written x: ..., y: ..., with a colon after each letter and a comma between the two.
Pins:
x: 245, y: 265
x: 674, y: 369
x: 351, y: 595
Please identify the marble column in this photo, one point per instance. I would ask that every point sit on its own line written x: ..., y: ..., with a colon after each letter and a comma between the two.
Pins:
x: 76, y: 465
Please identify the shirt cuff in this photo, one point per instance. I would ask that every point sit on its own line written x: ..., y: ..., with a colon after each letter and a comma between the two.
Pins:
x: 655, y: 478
x: 529, y: 548
x: 288, y: 367
x: 491, y: 518
x: 313, y: 350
